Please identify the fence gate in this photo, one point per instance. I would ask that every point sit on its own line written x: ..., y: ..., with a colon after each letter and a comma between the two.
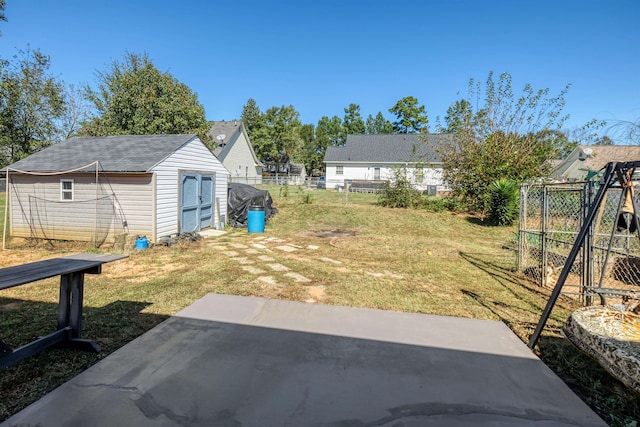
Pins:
x: 551, y: 216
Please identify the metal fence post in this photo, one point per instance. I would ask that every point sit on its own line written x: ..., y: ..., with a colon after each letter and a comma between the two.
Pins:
x: 544, y: 227
x: 522, y: 226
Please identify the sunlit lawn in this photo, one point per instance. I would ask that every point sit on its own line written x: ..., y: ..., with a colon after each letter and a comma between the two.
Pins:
x: 363, y: 256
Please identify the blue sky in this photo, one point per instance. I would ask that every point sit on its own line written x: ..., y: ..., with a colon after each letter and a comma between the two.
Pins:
x: 322, y: 56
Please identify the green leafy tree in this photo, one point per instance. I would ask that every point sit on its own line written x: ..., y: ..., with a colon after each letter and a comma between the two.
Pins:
x: 459, y: 117
x: 378, y: 125
x: 353, y: 123
x: 411, y: 117
x: 31, y: 103
x: 283, y: 126
x: 552, y: 144
x: 509, y: 136
x: 604, y: 140
x: 134, y: 97
x: 251, y: 116
x: 330, y: 132
x: 255, y: 123
x: 587, y: 134
x: 309, y: 153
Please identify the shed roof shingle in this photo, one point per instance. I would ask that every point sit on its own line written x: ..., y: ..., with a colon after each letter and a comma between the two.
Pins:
x: 396, y: 148
x: 124, y: 153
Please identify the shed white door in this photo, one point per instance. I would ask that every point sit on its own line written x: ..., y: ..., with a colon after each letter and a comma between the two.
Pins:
x: 196, y: 209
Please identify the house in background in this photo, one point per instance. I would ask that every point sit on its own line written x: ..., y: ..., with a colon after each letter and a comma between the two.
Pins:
x: 233, y: 148
x: 377, y: 158
x: 282, y: 170
x: 586, y: 160
x: 297, y: 174
x: 115, y: 188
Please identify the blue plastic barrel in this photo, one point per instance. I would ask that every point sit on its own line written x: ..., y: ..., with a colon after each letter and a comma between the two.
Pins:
x: 255, y: 219
x: 142, y: 243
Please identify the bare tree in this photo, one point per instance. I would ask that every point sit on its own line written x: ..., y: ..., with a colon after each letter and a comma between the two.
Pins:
x: 625, y: 131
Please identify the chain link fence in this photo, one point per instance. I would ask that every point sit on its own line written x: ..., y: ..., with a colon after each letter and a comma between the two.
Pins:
x: 607, y: 268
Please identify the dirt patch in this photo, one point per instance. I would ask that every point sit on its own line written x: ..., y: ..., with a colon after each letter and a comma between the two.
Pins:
x: 135, y: 272
x: 333, y: 235
x: 15, y: 257
x: 316, y: 293
x: 330, y: 234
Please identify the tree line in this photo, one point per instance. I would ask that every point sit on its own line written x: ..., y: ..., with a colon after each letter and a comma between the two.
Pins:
x: 496, y: 132
x: 277, y: 134
x: 134, y: 97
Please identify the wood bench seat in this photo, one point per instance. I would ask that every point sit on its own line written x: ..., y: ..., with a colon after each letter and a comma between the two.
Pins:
x: 31, y: 272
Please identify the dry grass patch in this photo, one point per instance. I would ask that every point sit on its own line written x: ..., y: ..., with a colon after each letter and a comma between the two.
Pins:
x: 363, y: 256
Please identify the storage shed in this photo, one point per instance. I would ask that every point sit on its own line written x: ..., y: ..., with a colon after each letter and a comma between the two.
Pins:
x: 110, y: 188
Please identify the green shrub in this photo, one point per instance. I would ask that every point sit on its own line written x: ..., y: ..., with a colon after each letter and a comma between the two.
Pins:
x: 454, y: 204
x: 284, y: 190
x: 504, y: 207
x: 306, y: 199
x: 399, y: 193
x: 433, y: 203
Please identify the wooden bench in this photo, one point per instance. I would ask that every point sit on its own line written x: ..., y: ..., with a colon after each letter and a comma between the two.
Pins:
x: 71, y: 270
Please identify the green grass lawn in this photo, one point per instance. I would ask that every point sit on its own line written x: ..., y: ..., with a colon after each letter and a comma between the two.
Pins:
x: 354, y: 253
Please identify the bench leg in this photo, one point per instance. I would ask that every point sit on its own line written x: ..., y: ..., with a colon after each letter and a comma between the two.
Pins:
x: 70, y: 304
x: 70, y: 312
x: 64, y: 302
x: 75, y: 312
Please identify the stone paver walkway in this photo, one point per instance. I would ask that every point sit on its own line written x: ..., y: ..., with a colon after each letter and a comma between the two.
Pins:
x: 266, y: 258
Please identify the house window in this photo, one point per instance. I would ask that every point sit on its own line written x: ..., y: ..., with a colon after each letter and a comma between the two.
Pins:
x: 419, y: 175
x: 376, y: 174
x: 339, y: 170
x: 66, y: 189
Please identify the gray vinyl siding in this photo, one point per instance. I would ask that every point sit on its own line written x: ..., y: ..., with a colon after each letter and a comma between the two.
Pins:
x: 38, y: 211
x: 134, y: 193
x: 194, y: 156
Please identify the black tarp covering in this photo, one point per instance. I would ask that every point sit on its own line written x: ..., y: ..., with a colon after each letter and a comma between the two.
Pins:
x: 241, y: 197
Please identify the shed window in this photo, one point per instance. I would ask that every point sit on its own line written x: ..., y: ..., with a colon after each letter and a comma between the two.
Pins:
x: 66, y: 189
x: 339, y: 170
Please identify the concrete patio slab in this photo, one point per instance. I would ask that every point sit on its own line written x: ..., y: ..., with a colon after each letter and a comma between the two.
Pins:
x: 251, y: 362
